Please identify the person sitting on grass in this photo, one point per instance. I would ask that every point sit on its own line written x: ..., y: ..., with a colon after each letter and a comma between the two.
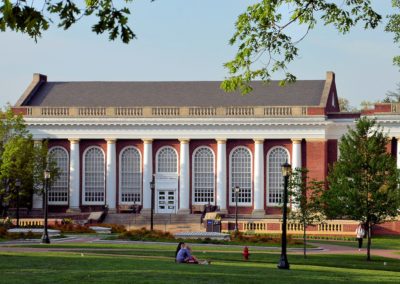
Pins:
x: 184, y: 255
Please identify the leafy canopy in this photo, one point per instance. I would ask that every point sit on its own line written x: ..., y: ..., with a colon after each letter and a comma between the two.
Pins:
x: 363, y: 183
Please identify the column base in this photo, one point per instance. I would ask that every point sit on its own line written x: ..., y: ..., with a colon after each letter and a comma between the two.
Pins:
x: 223, y: 211
x: 74, y: 210
x: 184, y: 211
x: 258, y: 213
x: 145, y: 212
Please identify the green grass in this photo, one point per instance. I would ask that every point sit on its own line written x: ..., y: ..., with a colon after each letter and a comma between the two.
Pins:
x: 148, y: 263
x: 377, y: 242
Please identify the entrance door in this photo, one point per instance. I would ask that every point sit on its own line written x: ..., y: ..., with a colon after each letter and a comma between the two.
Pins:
x: 166, y: 201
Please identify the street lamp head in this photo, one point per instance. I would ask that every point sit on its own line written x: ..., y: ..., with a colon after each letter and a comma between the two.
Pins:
x: 47, y: 173
x: 237, y: 189
x: 18, y: 182
x: 286, y: 169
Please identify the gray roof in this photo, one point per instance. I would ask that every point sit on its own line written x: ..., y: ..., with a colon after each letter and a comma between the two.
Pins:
x: 114, y: 94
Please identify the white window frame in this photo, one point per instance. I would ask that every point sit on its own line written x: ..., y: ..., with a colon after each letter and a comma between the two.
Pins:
x: 84, y: 202
x: 193, y: 175
x: 177, y: 160
x: 67, y: 154
x: 231, y: 186
x: 120, y: 176
x: 273, y: 204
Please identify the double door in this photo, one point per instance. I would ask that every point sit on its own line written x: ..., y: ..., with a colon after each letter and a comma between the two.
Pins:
x: 166, y: 201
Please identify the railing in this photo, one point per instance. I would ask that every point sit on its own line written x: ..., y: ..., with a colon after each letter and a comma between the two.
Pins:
x: 234, y: 111
x: 273, y: 226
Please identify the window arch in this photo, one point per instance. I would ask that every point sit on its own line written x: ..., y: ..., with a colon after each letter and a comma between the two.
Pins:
x: 130, y: 175
x: 203, y: 176
x: 93, y: 176
x: 240, y: 175
x: 275, y: 158
x: 167, y: 161
x: 59, y: 188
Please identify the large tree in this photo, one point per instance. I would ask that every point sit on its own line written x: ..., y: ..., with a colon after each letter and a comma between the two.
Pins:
x: 363, y: 183
x: 265, y: 43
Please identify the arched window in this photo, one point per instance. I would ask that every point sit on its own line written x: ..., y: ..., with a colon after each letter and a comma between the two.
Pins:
x: 240, y: 172
x: 59, y: 188
x: 130, y: 181
x: 167, y: 160
x: 203, y: 176
x: 94, y: 176
x: 276, y: 157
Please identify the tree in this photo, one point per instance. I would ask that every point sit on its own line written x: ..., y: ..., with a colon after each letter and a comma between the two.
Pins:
x: 393, y: 97
x: 265, y: 44
x: 305, y: 195
x: 344, y: 105
x: 363, y: 183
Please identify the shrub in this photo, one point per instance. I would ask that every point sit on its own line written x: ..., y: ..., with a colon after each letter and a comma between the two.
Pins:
x: 71, y: 228
x: 146, y: 235
x: 115, y: 228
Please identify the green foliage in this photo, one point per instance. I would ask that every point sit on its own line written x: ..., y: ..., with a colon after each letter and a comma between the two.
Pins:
x: 363, y: 184
x: 393, y: 26
x: 146, y: 235
x: 266, y: 45
x: 306, y: 202
x: 25, y: 17
x: 393, y: 96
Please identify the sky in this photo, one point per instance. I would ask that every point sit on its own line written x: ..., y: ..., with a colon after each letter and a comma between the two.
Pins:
x: 182, y: 40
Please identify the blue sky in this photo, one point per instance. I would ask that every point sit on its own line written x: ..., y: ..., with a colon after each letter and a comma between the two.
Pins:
x: 188, y: 40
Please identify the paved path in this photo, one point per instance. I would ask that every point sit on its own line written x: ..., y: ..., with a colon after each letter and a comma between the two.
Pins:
x: 322, y: 248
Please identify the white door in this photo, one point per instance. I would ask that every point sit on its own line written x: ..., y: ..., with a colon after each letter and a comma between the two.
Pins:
x: 166, y: 201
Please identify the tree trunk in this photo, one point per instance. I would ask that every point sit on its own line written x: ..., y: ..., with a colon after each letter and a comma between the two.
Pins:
x: 368, y: 225
x: 305, y: 242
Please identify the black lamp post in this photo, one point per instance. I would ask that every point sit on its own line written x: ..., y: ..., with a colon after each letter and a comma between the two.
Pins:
x: 152, y: 187
x: 286, y: 171
x: 45, y: 236
x: 17, y: 188
x: 237, y: 190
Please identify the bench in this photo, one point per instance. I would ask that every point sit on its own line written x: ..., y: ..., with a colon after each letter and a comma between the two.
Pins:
x: 135, y: 208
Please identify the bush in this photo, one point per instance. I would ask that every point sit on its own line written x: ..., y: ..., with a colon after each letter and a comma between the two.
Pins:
x: 146, y: 235
x: 115, y: 228
x: 71, y: 228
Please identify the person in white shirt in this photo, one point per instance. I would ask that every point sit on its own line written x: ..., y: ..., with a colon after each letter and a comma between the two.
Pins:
x: 360, y: 232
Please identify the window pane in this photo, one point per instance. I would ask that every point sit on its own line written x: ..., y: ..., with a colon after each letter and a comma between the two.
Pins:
x: 241, y: 175
x: 277, y: 157
x: 167, y: 161
x: 203, y: 176
x: 94, y: 175
x: 58, y: 194
x: 131, y: 176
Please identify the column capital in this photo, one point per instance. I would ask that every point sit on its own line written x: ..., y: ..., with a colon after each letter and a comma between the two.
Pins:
x: 221, y: 140
x: 73, y: 140
x: 296, y: 140
x: 147, y: 140
x: 316, y: 140
x: 111, y: 140
x: 258, y: 141
x: 184, y: 140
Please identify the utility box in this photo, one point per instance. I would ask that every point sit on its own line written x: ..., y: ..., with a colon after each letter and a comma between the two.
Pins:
x: 213, y: 226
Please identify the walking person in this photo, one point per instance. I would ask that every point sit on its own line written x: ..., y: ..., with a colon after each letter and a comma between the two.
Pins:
x: 360, y: 233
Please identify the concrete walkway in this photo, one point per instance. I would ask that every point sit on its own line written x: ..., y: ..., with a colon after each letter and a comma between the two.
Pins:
x: 322, y: 248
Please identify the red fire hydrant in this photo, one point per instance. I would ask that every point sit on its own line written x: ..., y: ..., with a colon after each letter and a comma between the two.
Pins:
x: 246, y: 253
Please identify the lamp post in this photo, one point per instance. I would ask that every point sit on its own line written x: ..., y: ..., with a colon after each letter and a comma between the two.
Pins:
x: 237, y: 190
x: 152, y: 187
x: 286, y: 171
x: 17, y: 188
x: 45, y: 236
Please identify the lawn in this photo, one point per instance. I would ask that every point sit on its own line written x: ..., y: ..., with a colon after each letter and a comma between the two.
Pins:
x: 377, y: 242
x: 104, y: 263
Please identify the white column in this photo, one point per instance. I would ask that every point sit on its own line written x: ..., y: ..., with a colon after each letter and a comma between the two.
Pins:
x: 398, y: 152
x: 147, y: 174
x: 258, y: 177
x: 221, y: 175
x: 338, y: 149
x: 111, y: 175
x: 296, y: 160
x: 37, y: 198
x: 296, y: 154
x: 184, y: 178
x: 74, y: 176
